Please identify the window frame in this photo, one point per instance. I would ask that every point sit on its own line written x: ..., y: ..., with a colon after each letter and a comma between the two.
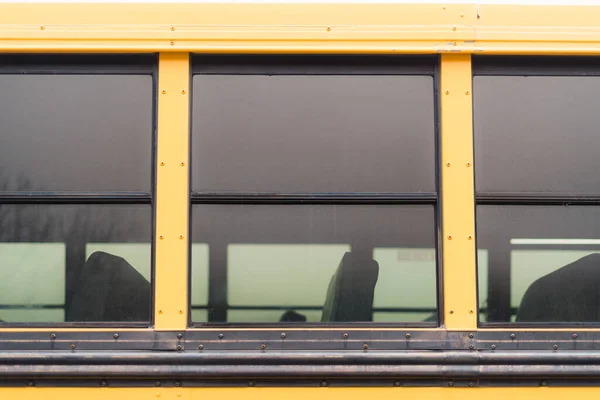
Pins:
x: 90, y: 64
x: 329, y: 65
x: 526, y: 65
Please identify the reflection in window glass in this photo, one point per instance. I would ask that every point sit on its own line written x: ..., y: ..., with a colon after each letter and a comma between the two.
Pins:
x: 404, y: 316
x: 482, y: 277
x: 78, y: 259
x: 543, y: 262
x: 273, y: 316
x: 407, y: 277
x: 253, y: 269
x: 319, y: 263
x: 537, y: 124
x: 32, y: 282
x: 102, y: 125
x: 348, y: 133
x: 199, y: 262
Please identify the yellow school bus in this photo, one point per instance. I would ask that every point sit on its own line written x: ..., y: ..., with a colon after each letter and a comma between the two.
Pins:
x: 197, y: 200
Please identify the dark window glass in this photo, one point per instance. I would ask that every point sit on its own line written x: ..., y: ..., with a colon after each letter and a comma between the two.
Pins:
x: 75, y: 263
x: 317, y: 133
x: 539, y: 263
x: 313, y: 263
x: 76, y: 132
x: 537, y: 133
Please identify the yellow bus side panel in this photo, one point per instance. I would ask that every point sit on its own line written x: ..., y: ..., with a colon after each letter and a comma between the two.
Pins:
x: 541, y: 393
x: 300, y: 28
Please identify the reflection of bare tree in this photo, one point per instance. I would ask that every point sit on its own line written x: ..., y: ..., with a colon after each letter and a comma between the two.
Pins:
x: 20, y: 223
x: 59, y: 223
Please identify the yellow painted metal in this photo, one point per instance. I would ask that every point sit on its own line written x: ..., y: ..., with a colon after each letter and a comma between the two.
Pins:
x: 300, y: 28
x: 538, y: 393
x: 458, y: 208
x: 172, y: 194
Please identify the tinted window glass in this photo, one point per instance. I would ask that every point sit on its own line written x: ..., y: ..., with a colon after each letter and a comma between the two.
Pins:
x: 75, y: 263
x: 543, y: 263
x: 536, y: 133
x: 315, y: 263
x: 254, y: 133
x: 76, y: 132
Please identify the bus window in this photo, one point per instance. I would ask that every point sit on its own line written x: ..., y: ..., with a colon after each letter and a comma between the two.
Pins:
x: 535, y: 127
x: 314, y: 187
x: 76, y: 143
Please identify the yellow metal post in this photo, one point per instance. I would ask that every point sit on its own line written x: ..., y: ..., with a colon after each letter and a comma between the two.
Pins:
x: 458, y: 208
x: 172, y: 192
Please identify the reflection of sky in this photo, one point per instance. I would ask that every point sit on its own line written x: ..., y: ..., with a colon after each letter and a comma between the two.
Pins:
x: 313, y: 133
x: 77, y: 132
x: 536, y: 134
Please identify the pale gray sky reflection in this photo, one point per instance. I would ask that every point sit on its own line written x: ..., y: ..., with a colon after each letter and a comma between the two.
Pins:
x: 76, y: 132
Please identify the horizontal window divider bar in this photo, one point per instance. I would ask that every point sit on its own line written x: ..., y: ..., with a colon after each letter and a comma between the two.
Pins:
x: 293, y: 64
x: 314, y: 325
x: 75, y: 197
x: 314, y: 198
x: 30, y: 306
x: 563, y: 199
x: 284, y: 308
x: 75, y: 324
x: 78, y: 64
x: 535, y: 66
